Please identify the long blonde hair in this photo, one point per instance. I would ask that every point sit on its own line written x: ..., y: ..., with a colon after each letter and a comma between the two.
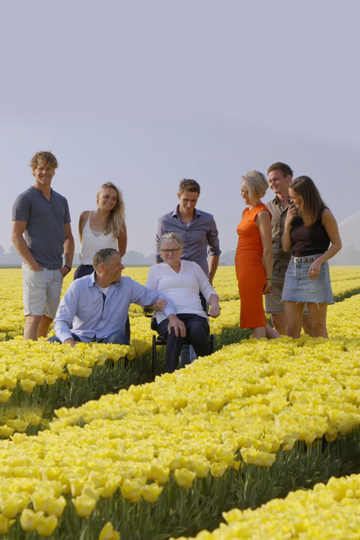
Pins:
x: 116, y: 218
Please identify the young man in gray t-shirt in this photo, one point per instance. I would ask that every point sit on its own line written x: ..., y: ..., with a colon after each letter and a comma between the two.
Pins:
x: 41, y: 235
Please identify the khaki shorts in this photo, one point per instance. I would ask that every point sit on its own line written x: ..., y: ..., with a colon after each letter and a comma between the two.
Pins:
x: 41, y: 291
x: 273, y: 304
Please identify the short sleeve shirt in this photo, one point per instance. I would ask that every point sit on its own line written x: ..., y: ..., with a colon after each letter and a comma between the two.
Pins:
x: 281, y: 258
x: 45, y: 220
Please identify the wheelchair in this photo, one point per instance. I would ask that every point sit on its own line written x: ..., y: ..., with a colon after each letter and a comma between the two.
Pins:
x: 162, y: 339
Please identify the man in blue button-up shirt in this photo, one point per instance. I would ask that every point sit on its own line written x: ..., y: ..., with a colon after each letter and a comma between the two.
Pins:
x: 197, y: 228
x: 97, y: 306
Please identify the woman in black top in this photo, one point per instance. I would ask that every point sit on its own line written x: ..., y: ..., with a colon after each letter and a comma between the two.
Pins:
x: 312, y: 235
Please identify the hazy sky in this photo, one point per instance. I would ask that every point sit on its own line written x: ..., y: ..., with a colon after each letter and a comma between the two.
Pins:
x: 145, y: 93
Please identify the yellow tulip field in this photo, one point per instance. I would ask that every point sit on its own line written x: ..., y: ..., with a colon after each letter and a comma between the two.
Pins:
x: 261, y: 440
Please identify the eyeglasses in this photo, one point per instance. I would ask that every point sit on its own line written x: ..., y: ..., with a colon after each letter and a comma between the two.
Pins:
x: 173, y: 251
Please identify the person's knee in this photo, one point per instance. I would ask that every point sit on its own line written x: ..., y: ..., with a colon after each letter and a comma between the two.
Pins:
x: 279, y: 322
x: 33, y: 318
x: 319, y: 328
x: 53, y: 339
x: 117, y: 338
x: 307, y: 325
x: 293, y: 329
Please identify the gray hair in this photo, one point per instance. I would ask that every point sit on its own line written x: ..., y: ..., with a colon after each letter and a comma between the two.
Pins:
x: 257, y: 184
x: 103, y: 256
x: 171, y: 236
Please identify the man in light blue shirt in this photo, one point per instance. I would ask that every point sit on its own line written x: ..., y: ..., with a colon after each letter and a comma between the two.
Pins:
x: 97, y: 306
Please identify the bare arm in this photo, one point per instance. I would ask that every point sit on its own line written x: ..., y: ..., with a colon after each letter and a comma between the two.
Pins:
x: 122, y: 240
x: 331, y: 227
x: 263, y: 221
x: 214, y: 310
x: 286, y: 240
x: 21, y: 247
x: 213, y: 265
x: 82, y: 220
x: 69, y: 248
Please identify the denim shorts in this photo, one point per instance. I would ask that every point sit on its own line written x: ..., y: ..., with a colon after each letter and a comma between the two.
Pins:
x: 273, y: 303
x: 42, y: 291
x: 299, y: 288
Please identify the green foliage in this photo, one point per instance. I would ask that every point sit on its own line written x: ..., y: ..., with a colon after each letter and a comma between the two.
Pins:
x: 185, y: 512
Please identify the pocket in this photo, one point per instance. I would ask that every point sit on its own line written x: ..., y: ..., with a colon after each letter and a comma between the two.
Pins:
x: 323, y: 271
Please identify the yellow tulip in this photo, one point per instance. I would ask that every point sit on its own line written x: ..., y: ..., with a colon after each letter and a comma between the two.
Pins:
x: 150, y: 493
x: 10, y: 506
x: 56, y: 506
x: 131, y: 489
x: 4, y: 524
x: 27, y: 385
x: 29, y: 519
x: 84, y: 505
x: 184, y: 478
x: 5, y: 395
x: 108, y: 533
x: 46, y: 525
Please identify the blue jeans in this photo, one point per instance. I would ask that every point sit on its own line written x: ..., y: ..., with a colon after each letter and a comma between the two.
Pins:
x: 117, y: 337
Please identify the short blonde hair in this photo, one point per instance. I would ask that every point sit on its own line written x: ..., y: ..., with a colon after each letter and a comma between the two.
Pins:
x: 257, y: 184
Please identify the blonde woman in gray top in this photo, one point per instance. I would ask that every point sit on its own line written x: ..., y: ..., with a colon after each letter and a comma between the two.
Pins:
x: 102, y: 228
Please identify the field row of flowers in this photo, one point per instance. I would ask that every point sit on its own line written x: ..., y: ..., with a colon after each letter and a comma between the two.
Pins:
x: 240, y: 405
x: 33, y: 364
x: 345, y: 282
x: 154, y: 456
x: 38, y: 370
x: 327, y: 512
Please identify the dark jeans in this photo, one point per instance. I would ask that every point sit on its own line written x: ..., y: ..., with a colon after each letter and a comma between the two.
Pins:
x: 197, y: 332
x: 116, y: 337
x: 86, y: 270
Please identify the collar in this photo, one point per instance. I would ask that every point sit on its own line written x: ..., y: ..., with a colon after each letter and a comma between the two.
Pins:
x: 276, y: 200
x: 40, y: 191
x: 197, y: 213
x: 92, y: 281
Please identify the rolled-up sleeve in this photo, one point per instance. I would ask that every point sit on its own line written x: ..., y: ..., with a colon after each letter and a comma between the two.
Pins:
x: 160, y: 232
x: 213, y: 239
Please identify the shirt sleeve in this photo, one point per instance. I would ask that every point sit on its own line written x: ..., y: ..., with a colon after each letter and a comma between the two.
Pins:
x: 145, y: 297
x: 160, y: 232
x: 21, y: 209
x: 66, y: 313
x: 213, y: 239
x: 67, y: 213
x: 205, y: 287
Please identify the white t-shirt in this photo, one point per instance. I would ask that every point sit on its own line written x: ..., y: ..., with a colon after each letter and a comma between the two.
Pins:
x: 182, y: 288
x: 92, y: 242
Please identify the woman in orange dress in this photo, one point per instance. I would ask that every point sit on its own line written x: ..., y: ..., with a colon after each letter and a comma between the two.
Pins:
x: 254, y: 259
